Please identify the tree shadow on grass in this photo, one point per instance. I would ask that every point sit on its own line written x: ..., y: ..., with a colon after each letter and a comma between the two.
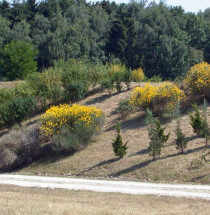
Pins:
x: 99, y: 165
x: 142, y: 152
x: 100, y: 99
x: 196, y: 179
x: 147, y: 162
x: 129, y: 124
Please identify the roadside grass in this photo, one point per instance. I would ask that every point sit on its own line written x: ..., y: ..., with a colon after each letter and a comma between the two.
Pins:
x: 18, y: 200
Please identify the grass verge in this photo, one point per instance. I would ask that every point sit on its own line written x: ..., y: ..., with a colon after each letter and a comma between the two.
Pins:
x: 17, y: 200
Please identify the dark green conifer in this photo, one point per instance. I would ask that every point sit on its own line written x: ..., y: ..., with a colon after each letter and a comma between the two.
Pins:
x: 196, y: 120
x: 120, y: 149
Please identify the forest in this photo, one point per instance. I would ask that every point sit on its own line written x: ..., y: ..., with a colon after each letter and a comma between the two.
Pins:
x: 164, y: 41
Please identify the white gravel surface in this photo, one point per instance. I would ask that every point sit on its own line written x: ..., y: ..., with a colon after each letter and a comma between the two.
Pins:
x: 136, y: 188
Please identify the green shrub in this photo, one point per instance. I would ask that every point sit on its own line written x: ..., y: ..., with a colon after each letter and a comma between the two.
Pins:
x: 76, y: 90
x: 16, y: 110
x: 155, y: 78
x: 6, y: 94
x: 127, y: 78
x: 124, y: 108
x: 107, y: 84
x: 120, y: 149
x: 47, y: 86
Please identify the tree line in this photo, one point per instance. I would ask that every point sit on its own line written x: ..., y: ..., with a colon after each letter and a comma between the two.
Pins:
x: 162, y: 40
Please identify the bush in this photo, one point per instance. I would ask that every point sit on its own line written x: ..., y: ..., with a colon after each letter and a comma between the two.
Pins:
x: 155, y: 78
x: 156, y: 97
x: 198, y: 79
x: 47, y: 86
x: 79, y: 122
x: 120, y: 149
x: 124, y: 108
x: 6, y: 94
x: 16, y: 110
x: 138, y: 75
x: 127, y: 78
x: 19, y: 147
x: 107, y: 84
x: 116, y: 75
x: 76, y: 90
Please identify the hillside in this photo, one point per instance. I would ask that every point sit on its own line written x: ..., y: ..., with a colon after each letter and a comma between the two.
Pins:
x: 98, y: 159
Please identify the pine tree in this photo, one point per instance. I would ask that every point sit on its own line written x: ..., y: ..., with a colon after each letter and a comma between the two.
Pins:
x: 196, y: 120
x: 120, y: 149
x: 181, y: 142
x: 156, y: 134
x: 160, y: 131
x: 205, y: 127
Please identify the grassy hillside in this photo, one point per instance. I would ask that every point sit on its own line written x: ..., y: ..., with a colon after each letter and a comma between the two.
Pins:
x: 98, y: 159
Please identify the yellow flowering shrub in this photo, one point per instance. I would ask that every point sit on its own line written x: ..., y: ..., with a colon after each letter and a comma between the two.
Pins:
x: 143, y: 96
x: 138, y: 75
x: 198, y: 79
x: 157, y: 97
x: 65, y: 115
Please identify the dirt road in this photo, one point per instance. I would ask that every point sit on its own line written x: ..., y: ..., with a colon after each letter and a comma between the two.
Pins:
x: 136, y: 188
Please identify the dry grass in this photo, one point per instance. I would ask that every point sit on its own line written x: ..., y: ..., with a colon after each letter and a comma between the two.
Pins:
x: 31, y: 201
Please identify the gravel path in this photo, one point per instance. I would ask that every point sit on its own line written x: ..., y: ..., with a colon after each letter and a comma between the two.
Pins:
x: 136, y: 188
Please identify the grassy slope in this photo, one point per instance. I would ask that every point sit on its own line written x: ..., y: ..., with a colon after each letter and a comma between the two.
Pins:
x: 98, y: 160
x: 24, y: 201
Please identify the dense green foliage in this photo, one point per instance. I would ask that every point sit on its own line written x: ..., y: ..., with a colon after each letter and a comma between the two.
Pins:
x: 161, y: 40
x: 16, y: 110
x: 17, y: 60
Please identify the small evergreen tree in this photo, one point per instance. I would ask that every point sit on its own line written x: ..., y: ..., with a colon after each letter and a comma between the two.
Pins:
x: 196, y: 120
x: 205, y: 127
x: 181, y: 142
x: 160, y: 131
x: 156, y: 134
x: 119, y: 148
